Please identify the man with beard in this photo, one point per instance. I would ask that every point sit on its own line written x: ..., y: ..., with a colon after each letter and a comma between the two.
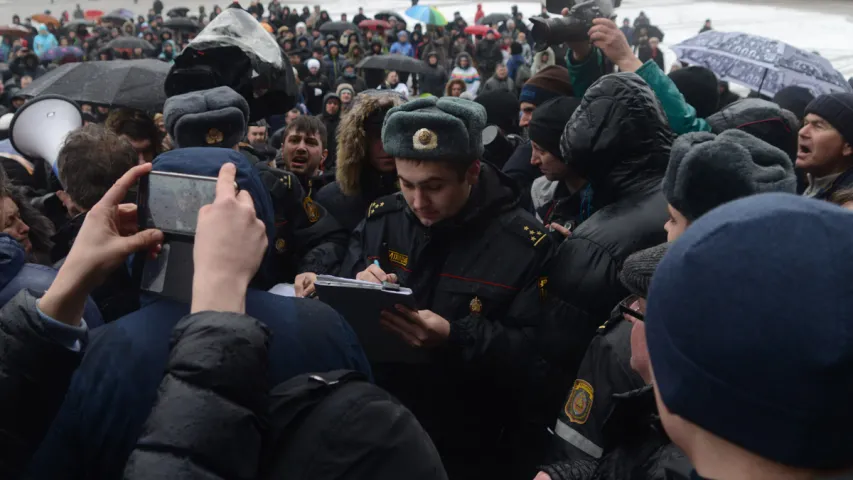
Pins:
x: 331, y: 117
x: 303, y: 150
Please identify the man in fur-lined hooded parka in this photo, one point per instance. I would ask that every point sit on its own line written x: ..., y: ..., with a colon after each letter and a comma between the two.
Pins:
x: 364, y: 171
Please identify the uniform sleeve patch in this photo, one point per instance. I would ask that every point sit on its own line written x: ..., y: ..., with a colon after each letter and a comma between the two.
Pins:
x: 311, y: 210
x: 580, y: 402
x: 398, y: 258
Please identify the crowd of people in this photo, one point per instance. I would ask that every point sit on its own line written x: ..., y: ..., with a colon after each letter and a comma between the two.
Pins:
x: 600, y: 253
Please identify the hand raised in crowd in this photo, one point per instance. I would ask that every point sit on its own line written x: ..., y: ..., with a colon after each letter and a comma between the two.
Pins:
x: 605, y: 35
x: 108, y: 236
x: 303, y: 285
x: 422, y: 328
x: 374, y: 274
x: 230, y: 243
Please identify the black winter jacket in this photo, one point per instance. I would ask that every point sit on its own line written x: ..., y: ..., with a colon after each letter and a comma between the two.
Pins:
x: 480, y: 270
x: 35, y: 372
x: 619, y: 140
x: 209, y: 416
x: 433, y: 80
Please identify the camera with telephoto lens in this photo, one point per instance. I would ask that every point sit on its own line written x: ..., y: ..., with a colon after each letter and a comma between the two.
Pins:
x: 575, y: 27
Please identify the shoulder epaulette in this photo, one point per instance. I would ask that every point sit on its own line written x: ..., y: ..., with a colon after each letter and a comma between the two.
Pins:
x: 533, y: 232
x: 384, y: 205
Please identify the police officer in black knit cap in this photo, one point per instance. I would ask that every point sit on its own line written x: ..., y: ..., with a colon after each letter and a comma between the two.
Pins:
x: 456, y: 236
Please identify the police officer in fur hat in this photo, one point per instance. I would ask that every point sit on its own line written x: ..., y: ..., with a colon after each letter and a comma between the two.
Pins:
x: 305, y: 234
x: 456, y: 236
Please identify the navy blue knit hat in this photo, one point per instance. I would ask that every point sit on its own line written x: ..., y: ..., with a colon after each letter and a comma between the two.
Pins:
x: 837, y: 109
x: 748, y: 325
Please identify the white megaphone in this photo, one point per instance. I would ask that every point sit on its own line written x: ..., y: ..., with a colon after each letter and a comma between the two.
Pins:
x: 39, y: 127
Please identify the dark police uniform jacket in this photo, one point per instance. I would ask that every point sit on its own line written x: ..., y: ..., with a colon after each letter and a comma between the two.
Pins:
x: 480, y: 270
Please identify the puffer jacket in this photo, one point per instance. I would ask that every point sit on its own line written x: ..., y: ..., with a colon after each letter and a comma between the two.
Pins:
x: 619, y: 140
x: 357, y: 184
x: 35, y: 371
x: 211, y: 404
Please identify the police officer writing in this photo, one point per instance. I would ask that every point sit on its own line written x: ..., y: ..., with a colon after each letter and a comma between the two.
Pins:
x: 457, y: 237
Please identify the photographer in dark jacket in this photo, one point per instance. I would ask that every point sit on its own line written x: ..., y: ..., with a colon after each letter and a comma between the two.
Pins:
x: 228, y: 404
x: 43, y: 339
x: 446, y: 236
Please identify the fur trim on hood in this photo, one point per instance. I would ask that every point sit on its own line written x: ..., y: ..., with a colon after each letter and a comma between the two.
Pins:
x: 352, y: 142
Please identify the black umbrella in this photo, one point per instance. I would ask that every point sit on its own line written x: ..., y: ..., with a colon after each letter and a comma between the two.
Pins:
x: 75, y: 25
x: 182, y: 24
x: 134, y: 84
x: 338, y: 27
x: 386, y: 14
x: 130, y: 43
x: 494, y: 19
x: 178, y: 12
x: 393, y: 61
x: 118, y: 16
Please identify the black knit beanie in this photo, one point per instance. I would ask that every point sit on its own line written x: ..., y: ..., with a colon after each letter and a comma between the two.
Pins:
x: 794, y: 99
x: 837, y: 109
x: 699, y: 87
x: 549, y: 120
x: 552, y: 81
x: 637, y: 271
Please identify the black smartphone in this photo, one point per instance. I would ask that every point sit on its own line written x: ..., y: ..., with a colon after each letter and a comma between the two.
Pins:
x: 170, y: 202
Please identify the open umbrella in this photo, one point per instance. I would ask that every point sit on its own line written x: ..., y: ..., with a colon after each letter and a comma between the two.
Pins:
x: 178, y: 12
x: 494, y: 19
x: 93, y: 14
x: 481, y: 30
x: 118, y: 16
x: 374, y: 25
x: 762, y: 64
x: 386, y: 14
x: 117, y: 83
x: 75, y: 25
x: 59, y: 53
x: 338, y: 27
x: 14, y: 31
x: 130, y: 43
x: 393, y: 61
x: 182, y: 24
x: 427, y: 15
x: 46, y: 19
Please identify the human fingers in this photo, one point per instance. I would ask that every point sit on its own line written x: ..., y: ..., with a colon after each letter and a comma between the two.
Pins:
x: 245, y: 198
x: 605, y: 22
x: 126, y: 219
x: 377, y: 273
x: 225, y: 181
x: 392, y: 278
x: 143, y: 241
x: 560, y: 228
x: 116, y: 194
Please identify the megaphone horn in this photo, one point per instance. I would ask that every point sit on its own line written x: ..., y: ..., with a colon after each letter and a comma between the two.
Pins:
x: 39, y: 127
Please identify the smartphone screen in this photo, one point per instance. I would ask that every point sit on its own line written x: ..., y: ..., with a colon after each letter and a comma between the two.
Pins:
x: 174, y: 200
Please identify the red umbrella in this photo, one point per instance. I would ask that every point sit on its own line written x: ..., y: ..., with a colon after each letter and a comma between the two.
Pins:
x: 481, y: 30
x: 93, y: 14
x: 374, y: 24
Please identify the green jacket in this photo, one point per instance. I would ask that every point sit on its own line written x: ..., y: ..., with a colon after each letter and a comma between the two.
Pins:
x: 681, y: 115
